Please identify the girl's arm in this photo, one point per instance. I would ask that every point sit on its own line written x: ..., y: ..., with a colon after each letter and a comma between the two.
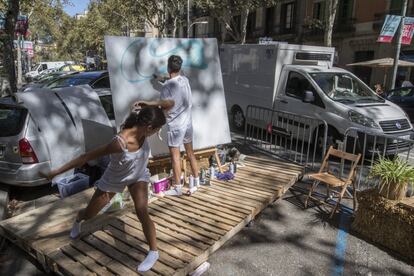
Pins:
x: 110, y: 148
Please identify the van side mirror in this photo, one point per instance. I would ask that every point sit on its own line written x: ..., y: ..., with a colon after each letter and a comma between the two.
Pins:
x: 308, y: 97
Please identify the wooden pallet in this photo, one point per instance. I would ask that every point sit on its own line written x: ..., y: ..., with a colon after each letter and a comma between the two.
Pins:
x: 189, y: 229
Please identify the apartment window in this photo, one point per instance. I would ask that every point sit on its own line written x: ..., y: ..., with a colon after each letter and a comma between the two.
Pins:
x: 270, y: 19
x: 288, y: 16
x: 319, y: 10
x: 251, y: 23
x: 395, y: 7
x: 259, y: 18
x: 345, y: 10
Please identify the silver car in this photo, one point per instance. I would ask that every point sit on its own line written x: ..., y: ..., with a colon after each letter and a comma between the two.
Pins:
x: 23, y: 151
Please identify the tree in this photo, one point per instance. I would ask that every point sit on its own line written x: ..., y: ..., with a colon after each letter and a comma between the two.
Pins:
x: 11, y: 9
x: 330, y: 15
x: 227, y: 12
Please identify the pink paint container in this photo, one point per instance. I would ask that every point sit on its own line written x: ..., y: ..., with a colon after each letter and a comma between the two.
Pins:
x: 161, y: 185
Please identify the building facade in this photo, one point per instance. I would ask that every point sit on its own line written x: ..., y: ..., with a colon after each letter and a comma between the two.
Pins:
x: 356, y: 29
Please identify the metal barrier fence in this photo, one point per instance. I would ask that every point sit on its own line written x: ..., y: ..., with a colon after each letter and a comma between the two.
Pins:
x: 289, y: 136
x: 372, y: 145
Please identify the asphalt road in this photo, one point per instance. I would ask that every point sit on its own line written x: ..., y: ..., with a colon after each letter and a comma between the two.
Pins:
x: 285, y: 239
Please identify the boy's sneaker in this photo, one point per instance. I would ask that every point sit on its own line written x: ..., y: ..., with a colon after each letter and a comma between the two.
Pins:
x: 175, y: 191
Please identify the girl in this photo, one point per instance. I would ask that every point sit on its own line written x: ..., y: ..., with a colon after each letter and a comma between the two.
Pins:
x: 129, y: 152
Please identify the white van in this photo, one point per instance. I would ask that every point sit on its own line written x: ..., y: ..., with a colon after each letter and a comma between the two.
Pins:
x: 301, y: 79
x: 41, y: 67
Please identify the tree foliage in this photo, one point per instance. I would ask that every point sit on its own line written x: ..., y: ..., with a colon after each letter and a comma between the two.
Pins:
x: 227, y: 12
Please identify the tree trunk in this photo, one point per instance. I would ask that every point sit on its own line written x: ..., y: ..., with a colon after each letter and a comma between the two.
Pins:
x: 243, y: 26
x: 330, y: 15
x: 19, y: 62
x: 11, y: 18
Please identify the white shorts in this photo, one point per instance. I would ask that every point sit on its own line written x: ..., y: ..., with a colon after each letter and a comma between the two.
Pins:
x: 120, y: 187
x: 178, y: 137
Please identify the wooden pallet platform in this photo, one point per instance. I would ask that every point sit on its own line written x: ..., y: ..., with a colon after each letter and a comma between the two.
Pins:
x: 189, y: 229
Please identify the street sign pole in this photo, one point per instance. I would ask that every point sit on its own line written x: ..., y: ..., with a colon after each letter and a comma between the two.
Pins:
x: 398, y: 47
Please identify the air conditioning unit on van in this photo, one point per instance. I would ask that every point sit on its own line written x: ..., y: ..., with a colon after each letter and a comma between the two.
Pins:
x: 312, y: 58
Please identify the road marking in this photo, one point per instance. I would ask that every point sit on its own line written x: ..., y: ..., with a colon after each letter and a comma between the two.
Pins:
x: 341, y: 241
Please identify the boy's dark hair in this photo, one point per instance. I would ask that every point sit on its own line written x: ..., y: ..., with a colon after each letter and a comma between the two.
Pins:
x: 174, y: 63
x: 147, y: 116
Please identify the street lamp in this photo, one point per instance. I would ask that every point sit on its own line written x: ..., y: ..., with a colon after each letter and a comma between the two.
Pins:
x: 197, y: 22
x: 123, y: 17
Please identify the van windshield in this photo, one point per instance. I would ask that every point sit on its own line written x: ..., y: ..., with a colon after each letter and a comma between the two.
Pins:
x: 345, y: 88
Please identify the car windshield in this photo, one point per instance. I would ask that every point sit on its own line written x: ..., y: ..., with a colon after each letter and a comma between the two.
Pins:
x: 65, y: 82
x: 345, y: 88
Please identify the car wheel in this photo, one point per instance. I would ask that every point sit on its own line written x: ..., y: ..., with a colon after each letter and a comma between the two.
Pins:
x: 237, y: 118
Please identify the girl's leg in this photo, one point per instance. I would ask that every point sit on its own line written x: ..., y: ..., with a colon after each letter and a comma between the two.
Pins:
x: 139, y: 194
x: 97, y: 202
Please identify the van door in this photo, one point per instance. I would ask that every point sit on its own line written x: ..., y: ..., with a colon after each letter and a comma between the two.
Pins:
x: 291, y: 99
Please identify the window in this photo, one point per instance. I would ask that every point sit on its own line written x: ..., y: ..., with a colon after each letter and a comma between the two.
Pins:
x: 44, y: 67
x: 270, y: 18
x: 403, y: 92
x: 102, y: 83
x: 259, y: 18
x: 296, y: 85
x: 319, y: 11
x: 395, y: 7
x: 251, y: 24
x: 287, y: 16
x: 11, y: 120
x: 345, y: 11
x: 108, y: 106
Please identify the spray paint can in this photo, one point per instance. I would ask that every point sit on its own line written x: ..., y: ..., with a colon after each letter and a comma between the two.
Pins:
x: 191, y: 182
x: 231, y: 167
x: 212, y: 172
x: 202, y: 176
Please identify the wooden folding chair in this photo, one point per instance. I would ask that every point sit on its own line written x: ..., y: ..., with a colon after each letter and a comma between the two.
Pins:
x: 332, y: 181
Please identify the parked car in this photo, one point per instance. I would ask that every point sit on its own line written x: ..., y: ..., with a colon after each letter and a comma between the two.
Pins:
x: 42, y: 66
x: 25, y: 136
x: 72, y: 67
x: 95, y: 79
x: 404, y: 98
x: 44, y: 80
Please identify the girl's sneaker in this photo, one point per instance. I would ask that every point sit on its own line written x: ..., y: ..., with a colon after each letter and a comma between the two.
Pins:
x: 76, y: 230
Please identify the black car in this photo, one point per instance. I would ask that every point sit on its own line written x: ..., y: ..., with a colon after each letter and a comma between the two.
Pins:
x: 403, y: 97
x: 96, y: 79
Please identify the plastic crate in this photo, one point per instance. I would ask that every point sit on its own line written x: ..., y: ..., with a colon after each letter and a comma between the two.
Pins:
x: 72, y: 184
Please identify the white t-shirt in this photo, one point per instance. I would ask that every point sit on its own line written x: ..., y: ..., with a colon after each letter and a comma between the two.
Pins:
x: 178, y: 89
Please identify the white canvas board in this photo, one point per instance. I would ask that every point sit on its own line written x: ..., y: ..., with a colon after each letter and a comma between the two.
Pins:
x: 132, y: 62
